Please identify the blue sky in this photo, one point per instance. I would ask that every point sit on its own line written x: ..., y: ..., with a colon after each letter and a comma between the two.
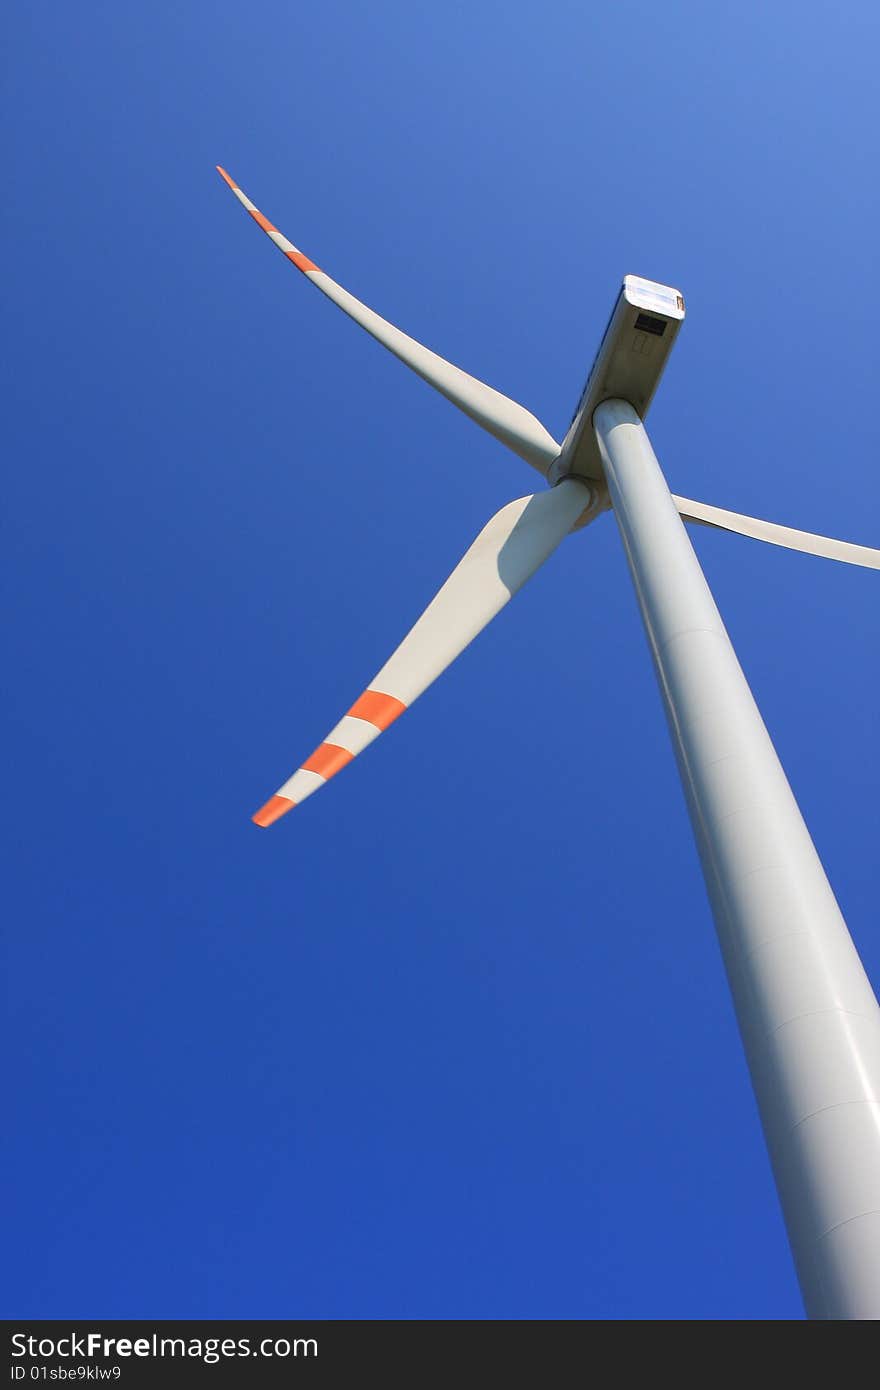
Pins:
x: 452, y: 1040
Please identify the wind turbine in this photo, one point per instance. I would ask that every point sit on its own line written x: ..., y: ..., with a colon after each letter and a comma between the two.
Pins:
x: 807, y: 1015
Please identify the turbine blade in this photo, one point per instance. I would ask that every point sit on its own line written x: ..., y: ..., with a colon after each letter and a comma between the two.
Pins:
x: 505, y: 554
x: 787, y: 536
x: 509, y: 422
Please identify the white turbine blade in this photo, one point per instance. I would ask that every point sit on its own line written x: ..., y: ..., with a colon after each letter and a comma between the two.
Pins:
x: 786, y: 536
x: 505, y: 554
x: 509, y: 422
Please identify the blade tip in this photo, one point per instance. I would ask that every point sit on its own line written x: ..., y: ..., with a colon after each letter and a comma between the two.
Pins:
x: 274, y: 809
x: 225, y: 177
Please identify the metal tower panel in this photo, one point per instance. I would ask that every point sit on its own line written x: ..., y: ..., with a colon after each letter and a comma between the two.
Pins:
x: 808, y: 1016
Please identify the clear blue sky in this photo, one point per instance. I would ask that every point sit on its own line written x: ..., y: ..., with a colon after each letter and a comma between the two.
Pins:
x: 452, y: 1040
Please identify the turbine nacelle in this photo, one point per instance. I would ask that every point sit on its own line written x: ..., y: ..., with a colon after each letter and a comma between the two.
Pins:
x: 634, y: 350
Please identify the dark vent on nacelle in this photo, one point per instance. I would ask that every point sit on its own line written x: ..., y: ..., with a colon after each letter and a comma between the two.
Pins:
x: 647, y: 324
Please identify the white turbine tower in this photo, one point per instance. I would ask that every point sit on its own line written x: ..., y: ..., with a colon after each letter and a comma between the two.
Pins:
x: 808, y: 1017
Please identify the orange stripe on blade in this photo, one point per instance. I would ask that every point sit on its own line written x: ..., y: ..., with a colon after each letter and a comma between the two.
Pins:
x: 274, y: 808
x: 223, y: 174
x: 328, y: 759
x: 300, y: 261
x: 261, y: 220
x: 377, y: 708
